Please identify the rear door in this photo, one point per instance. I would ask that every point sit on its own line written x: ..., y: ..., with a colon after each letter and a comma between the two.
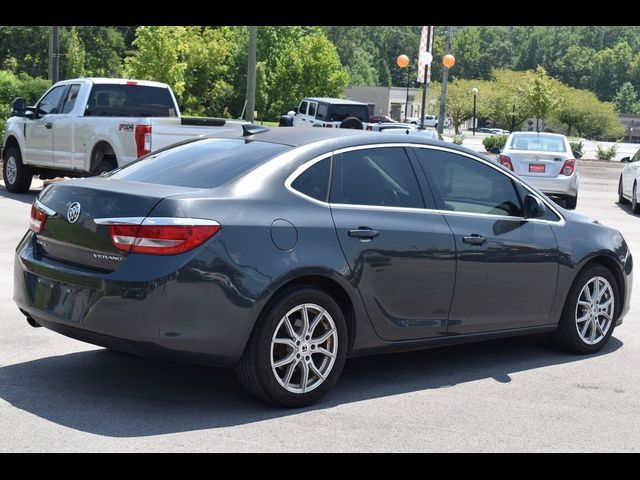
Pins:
x: 401, y: 254
x: 64, y: 155
x: 507, y: 266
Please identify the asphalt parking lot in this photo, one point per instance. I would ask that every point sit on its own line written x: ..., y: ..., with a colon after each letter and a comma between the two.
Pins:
x: 58, y: 394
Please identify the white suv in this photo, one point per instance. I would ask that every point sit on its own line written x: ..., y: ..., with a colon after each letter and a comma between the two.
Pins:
x: 329, y: 113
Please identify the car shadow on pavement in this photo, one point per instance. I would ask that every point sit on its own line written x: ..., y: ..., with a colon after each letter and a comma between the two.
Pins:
x: 117, y: 395
x: 626, y: 208
x: 20, y: 197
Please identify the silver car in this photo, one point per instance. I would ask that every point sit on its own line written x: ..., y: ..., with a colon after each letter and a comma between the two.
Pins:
x: 546, y: 161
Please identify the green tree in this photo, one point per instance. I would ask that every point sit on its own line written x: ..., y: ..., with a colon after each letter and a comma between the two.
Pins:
x: 106, y: 48
x: 539, y: 95
x: 160, y: 55
x: 74, y: 58
x: 310, y: 67
x: 626, y: 99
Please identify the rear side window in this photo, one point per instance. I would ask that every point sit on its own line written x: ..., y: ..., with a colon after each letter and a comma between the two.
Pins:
x: 322, y: 113
x: 376, y: 176
x: 202, y: 164
x: 312, y: 109
x: 70, y: 98
x: 314, y: 181
x: 106, y: 100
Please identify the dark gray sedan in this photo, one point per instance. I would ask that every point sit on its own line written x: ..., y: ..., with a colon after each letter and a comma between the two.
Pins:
x: 283, y: 252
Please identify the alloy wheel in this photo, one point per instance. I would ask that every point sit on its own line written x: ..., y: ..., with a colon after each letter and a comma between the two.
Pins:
x: 595, y: 310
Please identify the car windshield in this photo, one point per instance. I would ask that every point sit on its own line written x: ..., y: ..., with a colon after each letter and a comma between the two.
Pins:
x: 537, y: 142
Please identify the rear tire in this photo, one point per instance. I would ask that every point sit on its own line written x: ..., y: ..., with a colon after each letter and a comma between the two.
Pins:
x: 17, y: 176
x: 571, y: 202
x: 302, y: 365
x: 635, y: 207
x: 587, y: 323
x: 107, y: 164
x: 621, y: 199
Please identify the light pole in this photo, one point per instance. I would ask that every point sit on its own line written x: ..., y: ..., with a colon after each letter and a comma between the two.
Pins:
x: 630, y: 134
x: 474, y: 90
x: 403, y: 62
x: 513, y: 114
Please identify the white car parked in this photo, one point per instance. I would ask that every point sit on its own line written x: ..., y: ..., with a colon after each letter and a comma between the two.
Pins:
x: 629, y: 185
x: 546, y: 161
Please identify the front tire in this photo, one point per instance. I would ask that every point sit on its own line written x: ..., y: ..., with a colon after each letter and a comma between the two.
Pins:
x: 296, y: 351
x: 635, y: 207
x: 621, y: 199
x: 590, y: 312
x: 17, y: 176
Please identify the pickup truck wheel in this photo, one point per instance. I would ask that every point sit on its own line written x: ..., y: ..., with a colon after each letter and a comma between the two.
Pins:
x: 107, y: 164
x: 17, y: 176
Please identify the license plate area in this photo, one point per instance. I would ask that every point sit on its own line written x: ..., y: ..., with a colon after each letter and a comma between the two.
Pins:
x: 536, y: 167
x: 62, y: 299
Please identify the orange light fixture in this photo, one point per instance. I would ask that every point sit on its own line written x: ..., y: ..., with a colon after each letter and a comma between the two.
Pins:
x: 448, y: 60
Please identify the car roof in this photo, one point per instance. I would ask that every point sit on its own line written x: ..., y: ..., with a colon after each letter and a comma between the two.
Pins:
x: 341, y: 101
x: 335, y: 138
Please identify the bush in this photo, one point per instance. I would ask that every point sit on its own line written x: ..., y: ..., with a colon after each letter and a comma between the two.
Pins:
x: 577, y: 147
x: 606, y: 153
x: 458, y: 139
x: 494, y: 141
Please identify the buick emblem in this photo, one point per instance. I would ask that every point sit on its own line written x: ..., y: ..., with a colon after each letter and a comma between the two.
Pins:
x: 74, y: 212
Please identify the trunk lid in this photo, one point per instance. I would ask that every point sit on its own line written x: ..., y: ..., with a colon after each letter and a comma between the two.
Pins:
x: 83, y: 242
x: 537, y: 163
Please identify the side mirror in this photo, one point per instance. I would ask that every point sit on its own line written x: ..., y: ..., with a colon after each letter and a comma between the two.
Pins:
x: 533, y: 207
x: 18, y: 107
x: 626, y: 160
x: 495, y: 150
x: 576, y: 154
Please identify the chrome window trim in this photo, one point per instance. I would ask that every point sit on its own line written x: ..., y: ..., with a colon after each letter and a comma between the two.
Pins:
x: 302, y: 168
x: 42, y: 207
x: 164, y: 221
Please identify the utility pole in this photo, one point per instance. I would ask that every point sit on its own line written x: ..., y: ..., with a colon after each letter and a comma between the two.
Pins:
x: 251, y: 73
x: 445, y: 78
x: 54, y: 55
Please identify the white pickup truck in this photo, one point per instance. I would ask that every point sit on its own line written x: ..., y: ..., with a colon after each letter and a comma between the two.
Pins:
x: 88, y: 126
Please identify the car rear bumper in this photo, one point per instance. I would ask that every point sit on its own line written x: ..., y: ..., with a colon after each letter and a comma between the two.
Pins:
x: 560, y: 185
x: 164, y: 310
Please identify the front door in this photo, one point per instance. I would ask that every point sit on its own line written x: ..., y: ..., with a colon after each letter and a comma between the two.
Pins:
x: 507, y: 265
x: 401, y: 255
x: 39, y: 131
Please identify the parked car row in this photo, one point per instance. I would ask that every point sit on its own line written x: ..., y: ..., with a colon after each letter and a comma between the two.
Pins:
x: 492, y: 131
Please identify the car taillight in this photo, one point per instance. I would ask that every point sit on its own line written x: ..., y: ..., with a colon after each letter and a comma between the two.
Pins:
x: 569, y: 167
x: 505, y: 161
x: 369, y: 127
x: 328, y: 125
x: 160, y: 239
x: 143, y: 139
x: 38, y: 219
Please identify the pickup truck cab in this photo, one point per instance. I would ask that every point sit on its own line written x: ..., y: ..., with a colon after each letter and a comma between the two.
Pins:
x: 87, y: 126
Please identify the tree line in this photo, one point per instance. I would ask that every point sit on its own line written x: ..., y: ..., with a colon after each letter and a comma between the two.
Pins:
x: 206, y: 66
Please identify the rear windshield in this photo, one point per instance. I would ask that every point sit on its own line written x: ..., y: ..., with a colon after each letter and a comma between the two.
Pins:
x: 106, y: 100
x: 538, y: 142
x: 337, y: 113
x: 205, y: 163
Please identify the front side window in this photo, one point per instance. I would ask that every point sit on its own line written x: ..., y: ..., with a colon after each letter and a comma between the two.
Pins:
x: 49, y: 103
x: 376, y: 176
x: 70, y: 98
x: 302, y: 110
x: 314, y: 181
x: 467, y: 185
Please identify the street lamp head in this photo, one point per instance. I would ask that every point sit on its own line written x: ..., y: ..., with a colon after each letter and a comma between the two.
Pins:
x: 402, y: 61
x: 474, y: 90
x: 448, y: 60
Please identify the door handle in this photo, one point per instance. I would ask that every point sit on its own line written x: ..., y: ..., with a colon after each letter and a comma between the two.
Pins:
x: 48, y: 125
x: 474, y: 240
x: 363, y: 233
